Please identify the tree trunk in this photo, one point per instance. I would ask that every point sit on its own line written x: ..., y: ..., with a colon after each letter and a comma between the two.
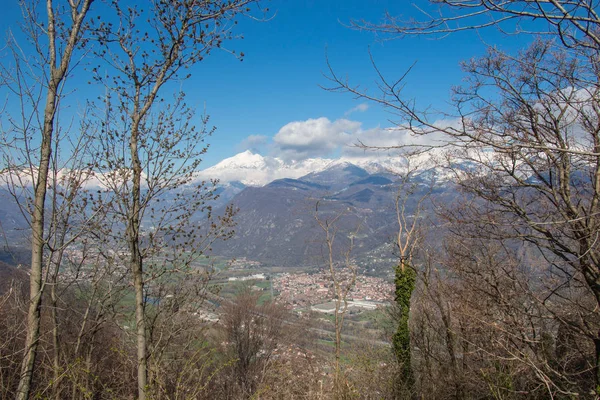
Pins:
x: 55, y: 341
x: 405, y: 285
x: 597, y: 365
x: 55, y: 328
x: 37, y: 247
x: 140, y: 329
x: 137, y: 267
x: 57, y: 73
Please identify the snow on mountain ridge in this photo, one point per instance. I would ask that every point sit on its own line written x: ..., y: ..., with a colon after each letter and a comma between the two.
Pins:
x: 248, y: 168
x: 247, y: 159
x: 256, y: 170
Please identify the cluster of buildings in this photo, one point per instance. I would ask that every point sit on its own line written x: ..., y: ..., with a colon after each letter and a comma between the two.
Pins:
x: 244, y: 263
x: 305, y: 290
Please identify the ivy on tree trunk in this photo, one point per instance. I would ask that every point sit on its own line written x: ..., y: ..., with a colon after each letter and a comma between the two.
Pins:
x: 405, y: 285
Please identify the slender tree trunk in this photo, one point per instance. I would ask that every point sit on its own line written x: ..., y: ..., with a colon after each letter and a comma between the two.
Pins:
x: 140, y: 329
x: 55, y: 342
x: 37, y: 246
x: 57, y: 73
x: 597, y: 366
x: 450, y: 348
x: 76, y: 378
x: 405, y: 285
x: 89, y: 383
x: 55, y: 328
x: 137, y: 268
x: 592, y: 278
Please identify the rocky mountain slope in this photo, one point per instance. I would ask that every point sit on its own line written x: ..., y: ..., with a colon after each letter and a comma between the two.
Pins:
x: 276, y: 223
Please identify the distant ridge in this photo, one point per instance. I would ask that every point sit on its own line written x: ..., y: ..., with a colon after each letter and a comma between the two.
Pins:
x: 253, y: 169
x: 276, y: 222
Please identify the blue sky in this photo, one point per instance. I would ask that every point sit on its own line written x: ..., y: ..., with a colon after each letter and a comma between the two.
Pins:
x: 278, y: 82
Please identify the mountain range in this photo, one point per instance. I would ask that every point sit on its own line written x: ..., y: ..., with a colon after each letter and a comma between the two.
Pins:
x: 280, y: 205
x: 253, y: 169
x: 277, y: 221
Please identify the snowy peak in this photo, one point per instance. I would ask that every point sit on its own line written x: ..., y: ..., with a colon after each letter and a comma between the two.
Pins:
x: 256, y: 170
x: 245, y: 160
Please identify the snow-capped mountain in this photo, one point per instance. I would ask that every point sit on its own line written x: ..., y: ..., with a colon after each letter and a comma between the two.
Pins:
x: 275, y: 223
x: 257, y: 170
x: 242, y: 170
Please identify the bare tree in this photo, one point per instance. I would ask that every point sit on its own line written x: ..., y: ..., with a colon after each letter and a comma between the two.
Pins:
x: 528, y: 126
x: 101, y: 285
x: 503, y: 313
x: 151, y: 149
x: 409, y: 203
x: 251, y: 333
x: 39, y: 84
x: 13, y: 301
x: 575, y: 23
x: 342, y: 272
x: 179, y: 365
x: 68, y: 221
x: 176, y: 227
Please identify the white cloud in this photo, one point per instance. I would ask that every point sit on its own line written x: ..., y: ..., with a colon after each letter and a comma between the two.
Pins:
x: 321, y: 137
x: 301, y: 147
x: 362, y: 107
x: 314, y: 137
x: 388, y: 140
x: 253, y: 142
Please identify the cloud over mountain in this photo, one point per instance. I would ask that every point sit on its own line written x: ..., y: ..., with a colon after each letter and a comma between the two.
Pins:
x: 253, y: 143
x: 319, y: 137
x: 302, y: 147
x: 257, y: 170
